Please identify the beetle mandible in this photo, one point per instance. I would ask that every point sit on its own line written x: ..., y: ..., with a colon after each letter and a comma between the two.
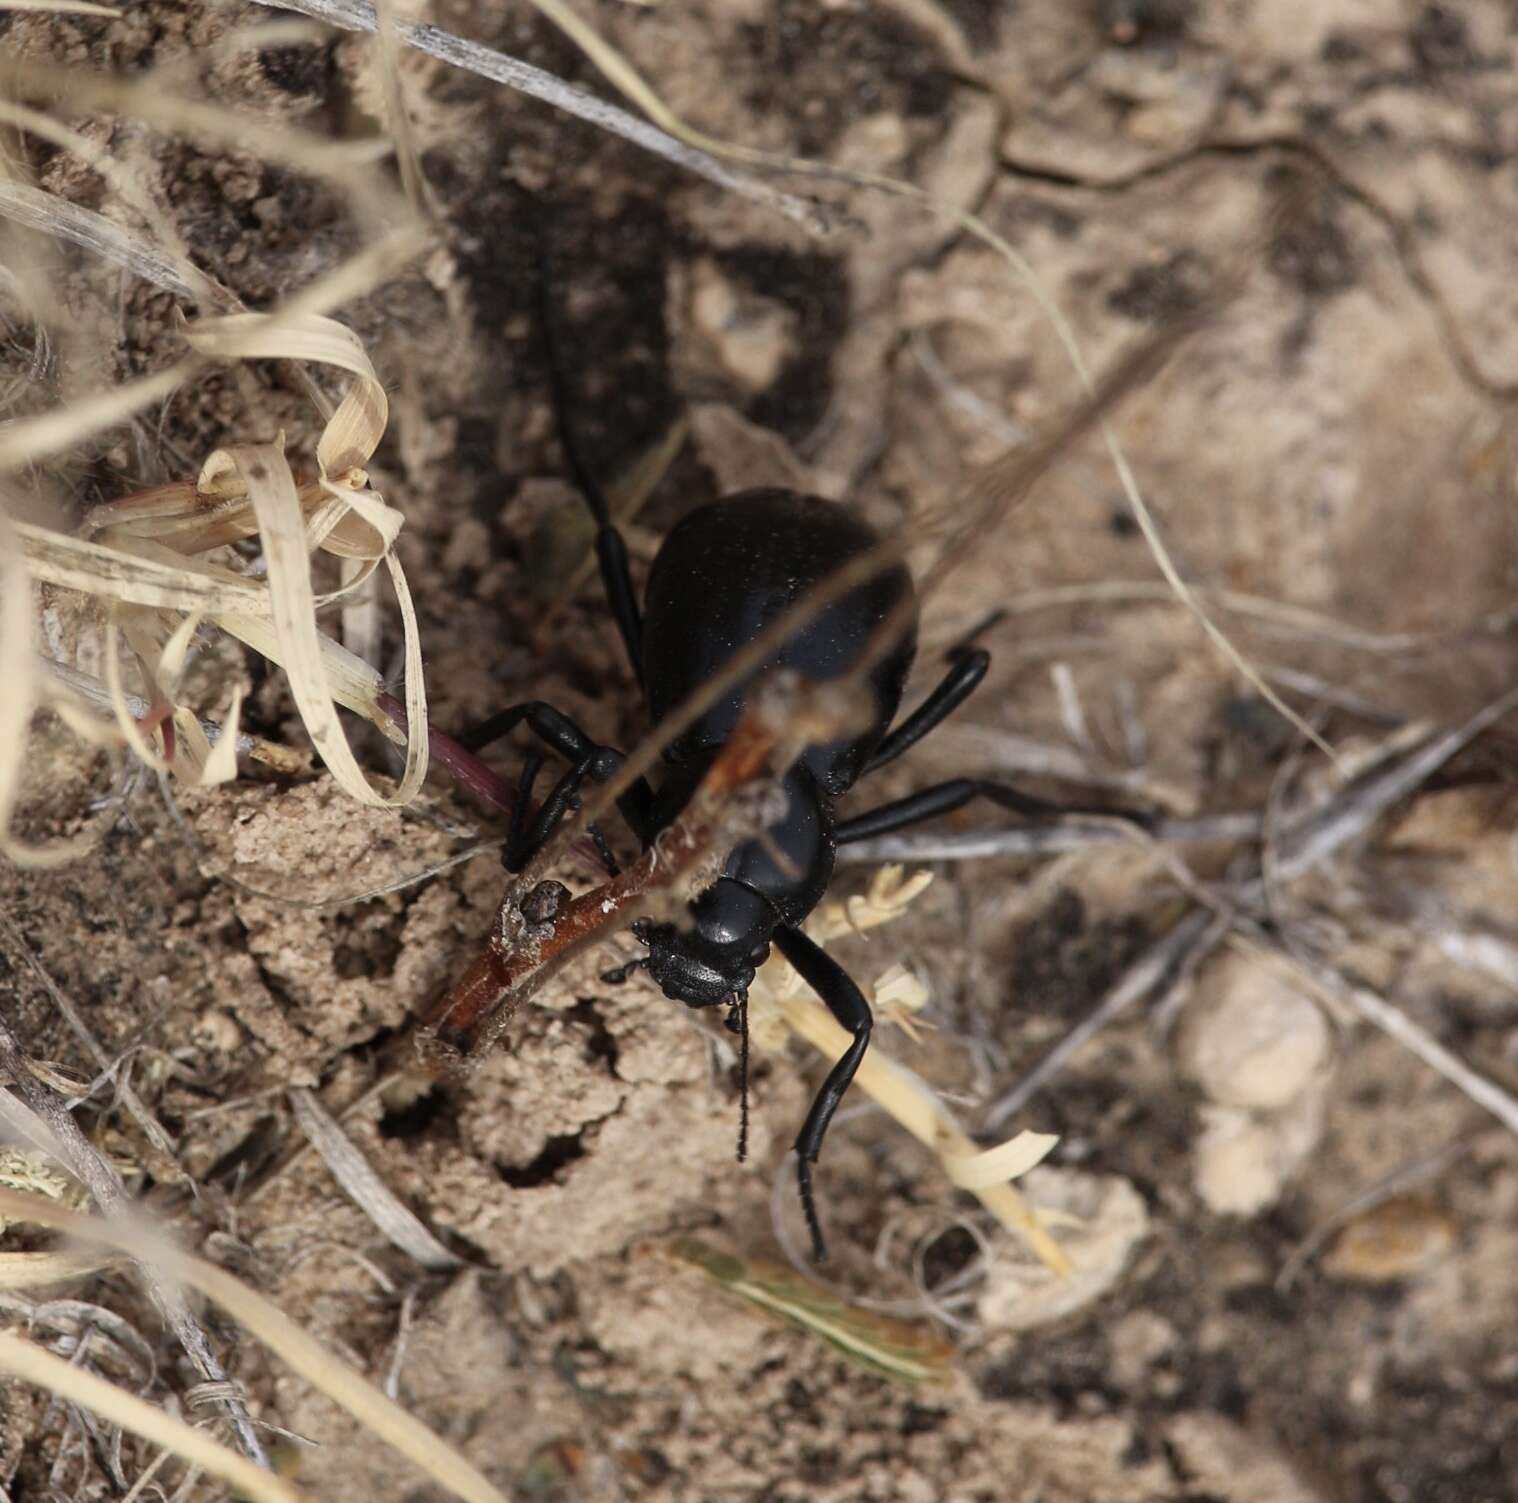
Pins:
x: 724, y: 573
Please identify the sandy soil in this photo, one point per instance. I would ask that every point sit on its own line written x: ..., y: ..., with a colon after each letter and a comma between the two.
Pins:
x: 1338, y: 439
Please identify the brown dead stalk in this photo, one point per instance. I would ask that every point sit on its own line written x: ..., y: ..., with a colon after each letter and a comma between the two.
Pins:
x: 521, y: 954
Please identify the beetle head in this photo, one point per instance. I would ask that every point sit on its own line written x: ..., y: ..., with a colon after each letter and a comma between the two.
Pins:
x: 716, y: 953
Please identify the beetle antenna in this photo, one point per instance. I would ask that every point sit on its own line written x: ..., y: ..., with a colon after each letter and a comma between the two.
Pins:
x: 611, y: 550
x: 558, y: 382
x: 809, y: 1208
x: 741, y: 998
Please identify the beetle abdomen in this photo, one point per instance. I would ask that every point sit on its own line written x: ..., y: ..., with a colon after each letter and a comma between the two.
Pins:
x: 725, y: 572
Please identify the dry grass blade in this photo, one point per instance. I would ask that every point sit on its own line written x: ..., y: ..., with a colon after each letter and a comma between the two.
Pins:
x: 23, y: 1359
x: 407, y: 157
x: 152, y: 1129
x: 41, y: 437
x: 18, y: 673
x: 1076, y: 832
x: 148, y: 99
x: 157, y: 578
x: 60, y: 7
x: 353, y: 432
x: 266, y: 1321
x: 103, y: 237
x: 457, y: 52
x: 126, y: 185
x: 1276, y: 613
x: 20, y: 1124
x: 889, y: 1348
x: 131, y: 563
x: 81, y: 686
x: 373, y: 1196
x: 53, y: 1129
x: 32, y: 439
x: 36, y: 1270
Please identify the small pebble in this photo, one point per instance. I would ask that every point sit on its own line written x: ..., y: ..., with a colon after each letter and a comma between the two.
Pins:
x: 1250, y: 1039
x: 1242, y: 1161
x: 1396, y: 1240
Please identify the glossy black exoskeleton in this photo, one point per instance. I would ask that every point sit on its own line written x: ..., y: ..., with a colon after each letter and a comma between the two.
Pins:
x: 724, y: 573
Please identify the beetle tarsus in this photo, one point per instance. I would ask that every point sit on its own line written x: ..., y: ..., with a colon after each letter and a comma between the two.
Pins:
x: 809, y: 1208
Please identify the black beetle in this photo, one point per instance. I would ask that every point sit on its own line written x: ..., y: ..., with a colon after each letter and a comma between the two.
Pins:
x: 725, y: 572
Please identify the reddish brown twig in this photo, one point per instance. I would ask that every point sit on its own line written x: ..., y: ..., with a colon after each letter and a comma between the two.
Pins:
x: 531, y: 938
x: 477, y: 776
x: 468, y: 770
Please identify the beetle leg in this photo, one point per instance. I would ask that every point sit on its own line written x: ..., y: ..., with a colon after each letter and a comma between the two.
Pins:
x: 558, y: 731
x: 598, y: 764
x: 944, y: 798
x: 551, y: 726
x: 957, y: 685
x: 736, y: 1021
x: 532, y: 765
x: 604, y: 851
x: 846, y: 1002
x: 561, y: 798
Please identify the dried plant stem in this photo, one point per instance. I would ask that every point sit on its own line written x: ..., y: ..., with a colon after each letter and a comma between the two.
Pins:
x: 1487, y: 1094
x: 103, y: 237
x: 129, y: 1098
x: 1197, y: 932
x: 358, y: 15
x: 1277, y: 613
x: 1356, y: 806
x: 82, y: 1160
x: 270, y: 753
x: 519, y: 957
x: 28, y: 1361
x: 468, y: 770
x: 382, y: 1417
x: 1073, y: 833
x: 929, y: 1121
x: 367, y: 1190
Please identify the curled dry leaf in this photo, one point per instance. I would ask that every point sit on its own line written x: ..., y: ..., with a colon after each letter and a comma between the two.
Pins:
x: 142, y: 556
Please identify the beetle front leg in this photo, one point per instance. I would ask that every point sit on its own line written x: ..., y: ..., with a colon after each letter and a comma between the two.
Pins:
x: 557, y: 730
x: 846, y: 1002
